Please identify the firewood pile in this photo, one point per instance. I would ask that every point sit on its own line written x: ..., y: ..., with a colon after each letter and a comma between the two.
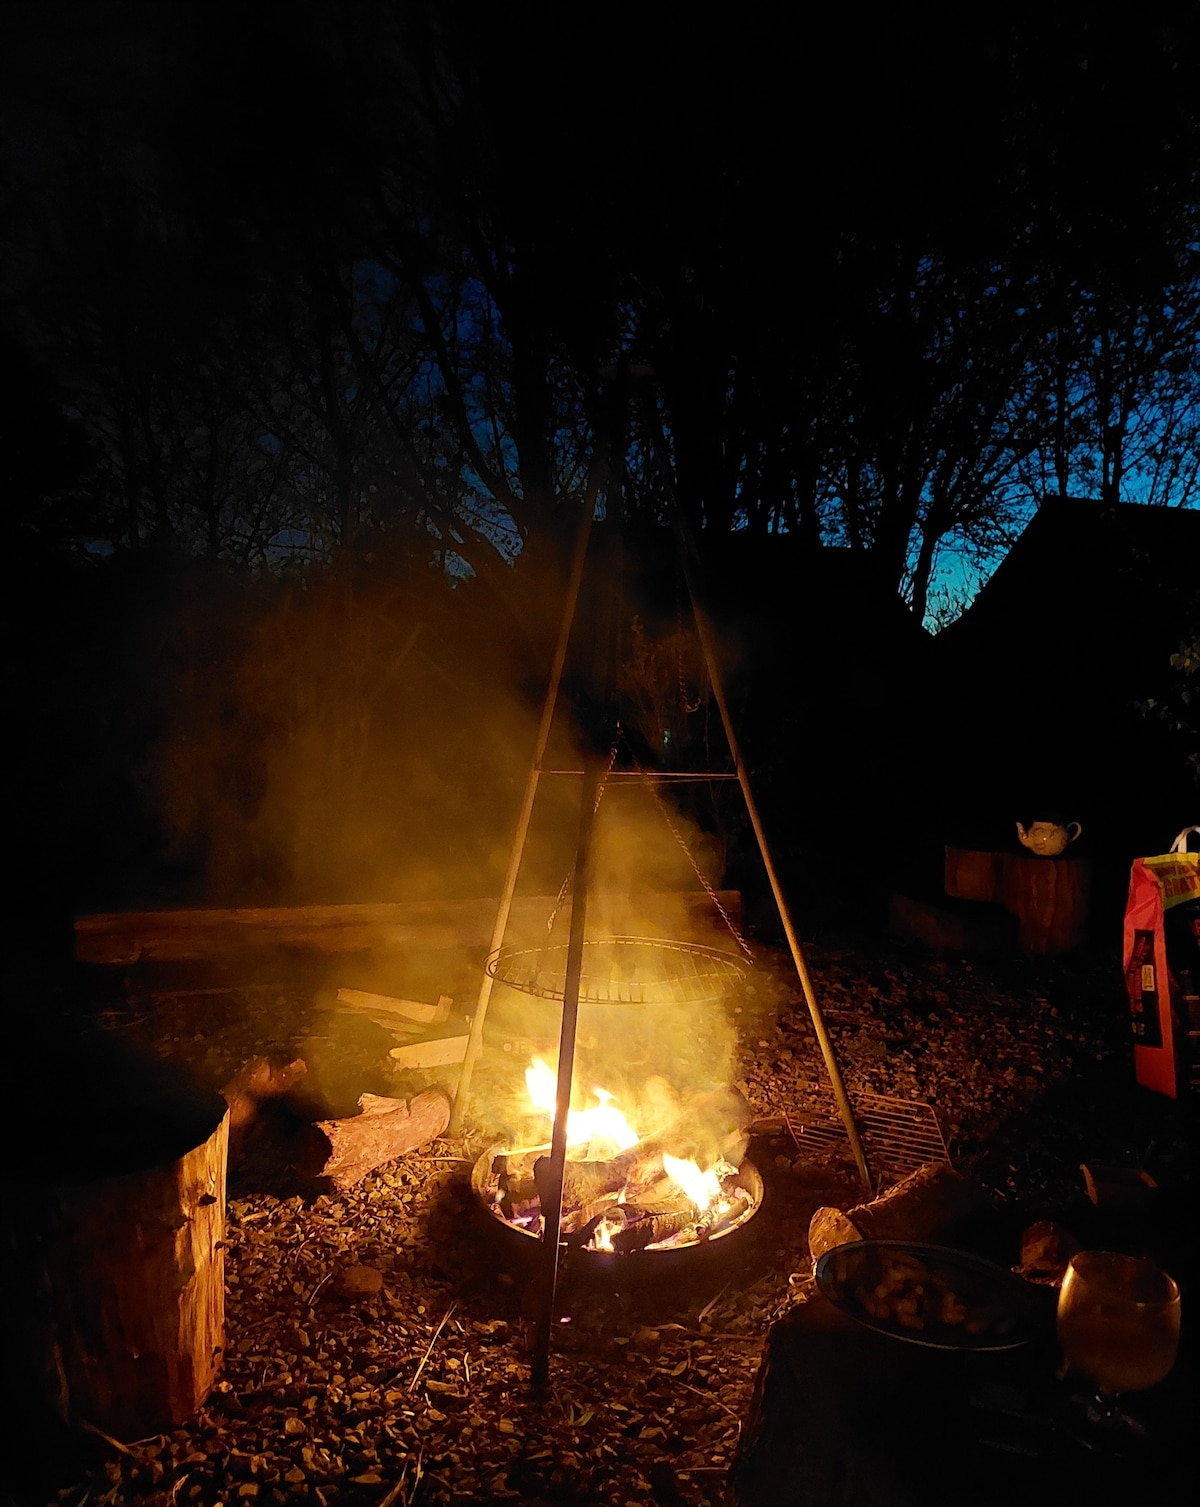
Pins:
x: 378, y: 1337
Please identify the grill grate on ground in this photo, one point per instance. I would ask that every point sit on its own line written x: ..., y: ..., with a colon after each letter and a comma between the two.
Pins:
x: 898, y: 1135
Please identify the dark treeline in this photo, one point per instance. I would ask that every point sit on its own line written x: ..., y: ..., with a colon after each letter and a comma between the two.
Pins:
x: 308, y: 275
x: 334, y: 287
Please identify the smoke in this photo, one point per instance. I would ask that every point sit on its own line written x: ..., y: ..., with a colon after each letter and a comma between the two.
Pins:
x: 336, y: 740
x: 344, y: 740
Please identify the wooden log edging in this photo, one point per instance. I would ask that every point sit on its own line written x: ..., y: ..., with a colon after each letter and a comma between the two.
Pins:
x: 168, y: 936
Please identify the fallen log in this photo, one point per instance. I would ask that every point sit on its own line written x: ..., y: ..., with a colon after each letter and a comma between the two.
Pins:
x: 385, y: 1130
x: 929, y: 1205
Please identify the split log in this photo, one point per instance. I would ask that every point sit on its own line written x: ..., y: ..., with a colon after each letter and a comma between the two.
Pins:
x: 1119, y: 1192
x: 1046, y: 1248
x: 385, y: 1130
x: 442, y: 1051
x: 406, y: 1015
x: 928, y: 1205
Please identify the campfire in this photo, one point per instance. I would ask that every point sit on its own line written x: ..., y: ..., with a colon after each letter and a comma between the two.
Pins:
x: 673, y: 1176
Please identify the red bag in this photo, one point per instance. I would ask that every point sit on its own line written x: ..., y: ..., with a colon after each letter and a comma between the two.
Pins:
x: 1162, y: 965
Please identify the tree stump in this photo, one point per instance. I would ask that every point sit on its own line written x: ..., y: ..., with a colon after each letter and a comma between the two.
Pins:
x: 1049, y: 897
x: 974, y: 874
x: 111, y: 1263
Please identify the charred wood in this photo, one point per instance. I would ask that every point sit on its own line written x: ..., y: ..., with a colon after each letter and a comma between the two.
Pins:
x: 584, y: 1182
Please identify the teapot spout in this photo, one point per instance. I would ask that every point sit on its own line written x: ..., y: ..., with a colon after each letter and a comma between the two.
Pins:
x: 1022, y: 831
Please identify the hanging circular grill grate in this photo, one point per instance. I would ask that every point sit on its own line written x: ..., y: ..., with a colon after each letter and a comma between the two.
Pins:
x: 623, y: 971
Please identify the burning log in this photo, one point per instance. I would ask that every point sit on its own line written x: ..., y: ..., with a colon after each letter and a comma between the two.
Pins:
x: 928, y: 1205
x: 712, y: 1123
x: 386, y: 1129
x: 585, y: 1182
x: 643, y: 1229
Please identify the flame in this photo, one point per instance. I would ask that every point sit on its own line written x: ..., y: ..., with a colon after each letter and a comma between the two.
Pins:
x: 702, y: 1187
x: 601, y: 1126
x: 602, y: 1235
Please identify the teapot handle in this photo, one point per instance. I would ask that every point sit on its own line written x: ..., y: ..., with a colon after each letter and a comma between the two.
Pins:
x: 1073, y: 831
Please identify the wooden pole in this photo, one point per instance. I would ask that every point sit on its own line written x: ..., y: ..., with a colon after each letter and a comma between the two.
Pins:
x: 708, y: 644
x: 552, y: 1215
x: 475, y: 1039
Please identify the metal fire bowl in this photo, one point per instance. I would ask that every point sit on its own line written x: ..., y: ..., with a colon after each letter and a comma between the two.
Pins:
x: 644, y: 1262
x: 624, y: 971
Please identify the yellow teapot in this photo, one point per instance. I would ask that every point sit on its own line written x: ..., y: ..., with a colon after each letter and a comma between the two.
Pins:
x: 1047, y: 839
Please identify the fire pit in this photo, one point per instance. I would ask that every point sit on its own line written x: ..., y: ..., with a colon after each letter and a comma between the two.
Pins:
x: 679, y: 1180
x: 501, y: 1184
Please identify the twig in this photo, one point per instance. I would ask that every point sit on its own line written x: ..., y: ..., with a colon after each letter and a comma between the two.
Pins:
x: 393, y: 1495
x: 313, y: 1296
x: 108, y: 1439
x: 710, y: 1397
x: 708, y: 1307
x: 429, y: 1348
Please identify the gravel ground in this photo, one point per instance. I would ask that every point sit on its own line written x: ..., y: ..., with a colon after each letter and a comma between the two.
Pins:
x: 378, y: 1339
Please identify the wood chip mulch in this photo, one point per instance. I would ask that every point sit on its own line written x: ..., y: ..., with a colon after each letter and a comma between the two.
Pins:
x: 378, y: 1339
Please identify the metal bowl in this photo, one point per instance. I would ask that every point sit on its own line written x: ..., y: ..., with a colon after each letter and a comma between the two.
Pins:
x: 929, y: 1295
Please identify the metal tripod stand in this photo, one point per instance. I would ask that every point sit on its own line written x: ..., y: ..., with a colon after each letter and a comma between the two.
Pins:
x: 591, y: 777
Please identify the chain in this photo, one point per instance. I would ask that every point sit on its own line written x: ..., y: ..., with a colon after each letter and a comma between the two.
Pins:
x: 696, y: 869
